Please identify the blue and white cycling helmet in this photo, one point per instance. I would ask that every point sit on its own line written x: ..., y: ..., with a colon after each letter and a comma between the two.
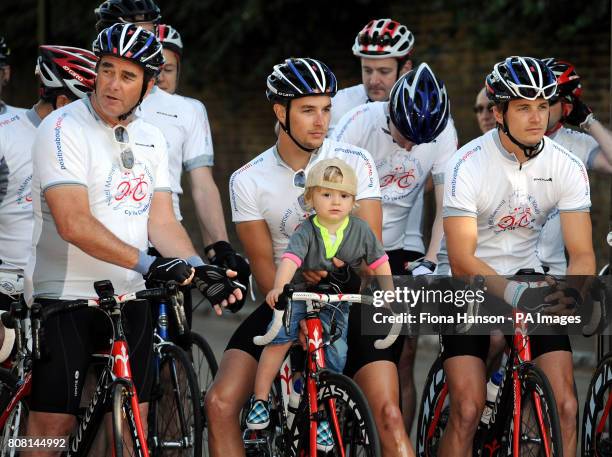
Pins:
x: 520, y: 78
x: 133, y: 43
x: 419, y: 106
x: 296, y: 78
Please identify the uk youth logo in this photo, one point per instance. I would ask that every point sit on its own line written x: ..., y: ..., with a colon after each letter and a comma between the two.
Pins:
x: 518, y: 211
x: 131, y: 191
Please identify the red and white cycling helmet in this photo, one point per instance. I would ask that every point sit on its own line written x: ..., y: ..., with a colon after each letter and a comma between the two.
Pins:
x: 382, y: 38
x: 170, y: 38
x: 67, y: 70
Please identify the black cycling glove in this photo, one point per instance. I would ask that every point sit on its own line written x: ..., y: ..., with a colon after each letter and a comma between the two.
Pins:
x: 214, y: 284
x: 168, y: 269
x: 224, y: 255
x: 580, y: 113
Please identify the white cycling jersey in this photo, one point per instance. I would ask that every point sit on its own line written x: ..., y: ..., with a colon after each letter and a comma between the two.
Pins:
x: 8, y: 109
x: 510, y: 201
x: 344, y: 101
x: 263, y: 189
x: 402, y: 173
x: 550, y: 247
x: 184, y: 123
x: 17, y: 129
x: 74, y: 147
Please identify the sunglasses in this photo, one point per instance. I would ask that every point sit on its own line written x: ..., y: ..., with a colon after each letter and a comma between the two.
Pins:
x: 299, y: 179
x: 122, y: 138
x: 478, y: 109
x: 530, y: 93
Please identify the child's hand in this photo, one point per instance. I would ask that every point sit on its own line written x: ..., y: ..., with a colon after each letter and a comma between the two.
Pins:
x: 272, y: 296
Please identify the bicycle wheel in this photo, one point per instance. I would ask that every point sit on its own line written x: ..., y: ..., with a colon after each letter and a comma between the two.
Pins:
x: 596, y: 419
x: 175, y: 411
x: 125, y: 437
x: 433, y: 411
x: 205, y: 367
x: 341, y: 400
x: 17, y: 418
x: 538, y: 435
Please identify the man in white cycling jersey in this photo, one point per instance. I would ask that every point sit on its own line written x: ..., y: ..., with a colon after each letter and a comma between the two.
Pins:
x: 184, y: 123
x: 267, y: 205
x: 410, y: 138
x: 499, y: 190
x: 100, y: 191
x: 593, y: 147
x: 60, y: 84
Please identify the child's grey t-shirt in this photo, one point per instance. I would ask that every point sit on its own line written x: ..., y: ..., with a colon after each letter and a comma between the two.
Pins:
x: 307, y: 248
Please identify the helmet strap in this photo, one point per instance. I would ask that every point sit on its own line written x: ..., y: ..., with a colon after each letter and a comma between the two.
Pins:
x: 530, y: 151
x: 287, y: 129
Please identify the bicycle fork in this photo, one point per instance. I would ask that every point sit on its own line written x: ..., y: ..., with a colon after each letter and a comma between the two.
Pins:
x: 316, y: 361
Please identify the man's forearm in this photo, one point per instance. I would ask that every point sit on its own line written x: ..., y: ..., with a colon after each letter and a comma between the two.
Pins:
x: 93, y: 238
x: 603, y: 136
x: 581, y: 264
x: 437, y: 231
x: 208, y: 206
x: 171, y: 240
x: 264, y: 274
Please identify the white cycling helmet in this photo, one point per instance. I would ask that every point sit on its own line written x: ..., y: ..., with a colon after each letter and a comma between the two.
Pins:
x: 382, y: 38
x: 170, y: 39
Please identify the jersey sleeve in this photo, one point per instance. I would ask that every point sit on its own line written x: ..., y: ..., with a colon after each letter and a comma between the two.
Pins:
x: 243, y: 198
x: 375, y: 254
x: 198, y: 149
x: 446, y: 146
x: 573, y: 185
x: 461, y: 185
x: 586, y: 149
x: 351, y: 128
x: 368, y: 186
x: 60, y: 152
x: 299, y: 243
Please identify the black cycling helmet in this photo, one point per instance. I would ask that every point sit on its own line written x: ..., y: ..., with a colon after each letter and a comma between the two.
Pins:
x: 520, y: 78
x: 296, y: 78
x: 5, y: 52
x: 113, y: 11
x: 418, y: 105
x: 64, y: 70
x: 133, y: 43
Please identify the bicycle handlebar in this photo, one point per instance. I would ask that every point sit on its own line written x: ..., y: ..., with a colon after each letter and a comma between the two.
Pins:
x: 288, y: 295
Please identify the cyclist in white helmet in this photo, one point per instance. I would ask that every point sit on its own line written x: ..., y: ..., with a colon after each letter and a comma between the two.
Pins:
x: 411, y: 139
x: 499, y: 189
x: 100, y: 191
x: 593, y: 146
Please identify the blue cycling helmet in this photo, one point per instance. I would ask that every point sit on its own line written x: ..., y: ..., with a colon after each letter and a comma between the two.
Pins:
x: 419, y: 106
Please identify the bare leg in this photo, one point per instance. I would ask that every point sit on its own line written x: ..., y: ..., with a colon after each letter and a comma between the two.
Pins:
x: 230, y: 390
x: 466, y: 385
x: 269, y: 363
x: 48, y: 424
x: 405, y: 368
x: 380, y: 384
x: 558, y: 367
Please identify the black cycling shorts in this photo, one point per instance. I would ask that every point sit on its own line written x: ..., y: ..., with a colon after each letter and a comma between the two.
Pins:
x: 398, y: 258
x: 69, y: 341
x: 478, y: 345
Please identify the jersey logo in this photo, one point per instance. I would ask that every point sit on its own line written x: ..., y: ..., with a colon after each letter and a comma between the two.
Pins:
x: 519, y: 211
x: 399, y: 177
x: 24, y: 193
x: 166, y: 114
x: 543, y: 179
x: 129, y: 192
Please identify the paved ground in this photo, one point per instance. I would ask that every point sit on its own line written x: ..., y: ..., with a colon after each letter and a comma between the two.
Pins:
x: 218, y: 331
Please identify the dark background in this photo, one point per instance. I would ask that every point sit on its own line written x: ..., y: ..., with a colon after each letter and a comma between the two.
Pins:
x: 230, y: 47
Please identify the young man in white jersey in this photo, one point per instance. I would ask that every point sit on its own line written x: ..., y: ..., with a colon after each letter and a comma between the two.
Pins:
x: 59, y: 85
x: 499, y: 189
x: 410, y: 140
x: 267, y: 205
x: 593, y: 147
x: 99, y: 197
x: 184, y: 123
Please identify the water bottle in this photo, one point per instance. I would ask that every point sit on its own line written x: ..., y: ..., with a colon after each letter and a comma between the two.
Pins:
x: 492, y: 389
x: 294, y: 399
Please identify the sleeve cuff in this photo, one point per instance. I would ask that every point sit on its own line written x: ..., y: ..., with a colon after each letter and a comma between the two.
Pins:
x: 205, y: 160
x: 294, y: 258
x: 374, y: 265
x: 449, y: 211
x: 144, y: 262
